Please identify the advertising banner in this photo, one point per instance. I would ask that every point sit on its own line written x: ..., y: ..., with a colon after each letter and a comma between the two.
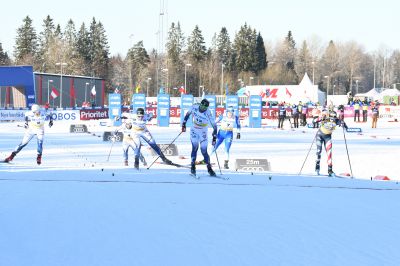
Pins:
x: 163, y: 107
x: 114, y: 105
x: 255, y: 111
x: 138, y: 101
x: 186, y: 104
x: 212, y: 107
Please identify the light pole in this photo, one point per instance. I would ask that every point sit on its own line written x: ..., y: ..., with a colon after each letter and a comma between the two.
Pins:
x: 313, y: 64
x: 222, y: 79
x: 327, y: 88
x: 186, y: 65
x: 86, y: 84
x: 61, y: 80
x: 147, y: 91
x: 251, y: 78
x: 48, y: 89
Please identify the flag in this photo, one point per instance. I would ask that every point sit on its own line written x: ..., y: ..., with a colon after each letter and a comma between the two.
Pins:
x: 54, y: 93
x: 93, y: 91
x: 138, y: 88
x: 72, y: 92
x: 288, y: 93
x: 182, y: 90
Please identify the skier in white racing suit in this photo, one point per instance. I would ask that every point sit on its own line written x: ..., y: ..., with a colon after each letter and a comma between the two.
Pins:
x: 135, y: 131
x: 198, y: 133
x: 225, y: 133
x: 34, y: 126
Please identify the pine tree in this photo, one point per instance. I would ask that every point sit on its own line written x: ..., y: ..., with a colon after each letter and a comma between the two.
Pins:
x: 4, y: 59
x: 46, y: 38
x: 71, y: 54
x: 261, y: 55
x: 224, y: 47
x: 26, y: 43
x: 196, y: 50
x: 99, y: 49
x: 245, y: 48
x: 304, y: 61
x: 138, y: 59
x: 175, y: 45
x: 83, y: 48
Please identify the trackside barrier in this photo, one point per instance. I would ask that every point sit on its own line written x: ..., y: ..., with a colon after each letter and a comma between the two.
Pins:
x: 252, y: 165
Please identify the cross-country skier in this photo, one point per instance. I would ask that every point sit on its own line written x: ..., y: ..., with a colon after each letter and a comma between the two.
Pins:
x: 136, y: 131
x: 295, y: 115
x: 225, y: 133
x: 198, y: 133
x: 324, y: 136
x: 34, y: 126
x: 282, y: 114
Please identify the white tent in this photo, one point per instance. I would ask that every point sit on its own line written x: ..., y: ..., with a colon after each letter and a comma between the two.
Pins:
x: 304, y: 92
x: 373, y: 93
x: 387, y: 92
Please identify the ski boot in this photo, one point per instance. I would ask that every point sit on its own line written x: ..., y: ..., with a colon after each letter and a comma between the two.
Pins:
x: 226, y: 166
x: 193, y: 168
x: 136, y: 165
x: 165, y: 160
x: 210, y: 170
x: 126, y: 162
x: 10, y: 158
x: 317, y: 168
x: 330, y: 171
x: 39, y: 159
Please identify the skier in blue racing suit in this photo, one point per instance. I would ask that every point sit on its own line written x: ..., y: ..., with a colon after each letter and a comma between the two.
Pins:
x: 225, y: 133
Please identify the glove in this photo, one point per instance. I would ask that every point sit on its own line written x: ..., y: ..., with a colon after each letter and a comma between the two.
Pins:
x: 51, y: 123
x: 238, y: 135
x: 26, y: 125
x: 214, y: 140
x: 183, y: 127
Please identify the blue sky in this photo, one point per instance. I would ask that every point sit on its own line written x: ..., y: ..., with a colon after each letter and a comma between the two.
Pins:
x: 374, y: 25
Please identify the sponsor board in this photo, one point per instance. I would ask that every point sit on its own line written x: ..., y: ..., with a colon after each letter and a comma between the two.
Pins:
x: 78, y: 128
x: 354, y: 129
x: 93, y: 114
x: 168, y: 150
x: 12, y: 115
x: 107, y: 136
x: 252, y: 165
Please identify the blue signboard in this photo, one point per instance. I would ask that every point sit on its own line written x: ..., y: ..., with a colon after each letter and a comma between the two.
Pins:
x: 186, y: 104
x: 255, y: 105
x: 138, y: 101
x: 19, y: 76
x: 213, y: 108
x: 163, y: 105
x: 232, y: 101
x: 114, y: 107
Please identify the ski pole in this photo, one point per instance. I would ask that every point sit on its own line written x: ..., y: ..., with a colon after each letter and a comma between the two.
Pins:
x: 216, y: 155
x: 308, y: 152
x: 113, y: 141
x: 162, y: 152
x: 348, y: 156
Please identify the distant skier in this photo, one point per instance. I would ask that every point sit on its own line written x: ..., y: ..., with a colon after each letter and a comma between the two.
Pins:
x: 324, y: 136
x: 225, y: 133
x: 136, y: 131
x: 295, y: 115
x: 375, y: 114
x: 34, y: 126
x: 198, y: 133
x: 282, y: 114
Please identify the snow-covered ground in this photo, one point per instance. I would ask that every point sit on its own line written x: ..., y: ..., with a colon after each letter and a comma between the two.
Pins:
x: 77, y: 208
